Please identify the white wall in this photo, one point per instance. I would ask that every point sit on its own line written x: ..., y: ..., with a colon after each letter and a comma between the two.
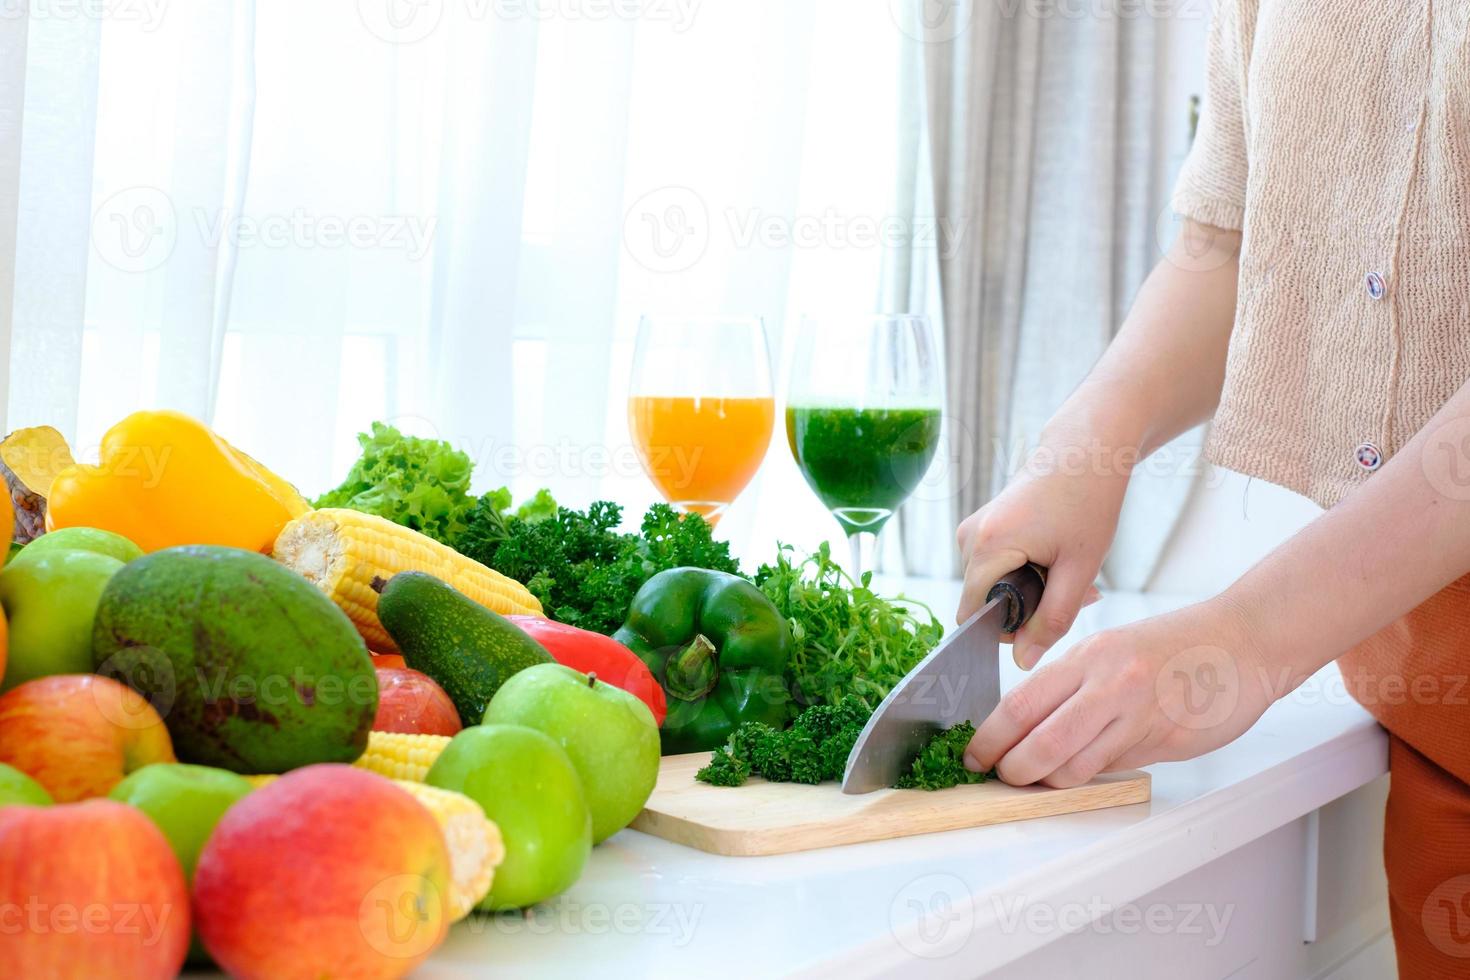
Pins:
x: 1226, y: 528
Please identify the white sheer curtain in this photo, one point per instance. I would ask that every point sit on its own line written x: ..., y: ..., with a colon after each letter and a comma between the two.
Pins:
x: 293, y: 219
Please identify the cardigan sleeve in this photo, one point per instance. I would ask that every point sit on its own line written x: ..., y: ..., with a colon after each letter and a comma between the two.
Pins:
x: 1211, y: 187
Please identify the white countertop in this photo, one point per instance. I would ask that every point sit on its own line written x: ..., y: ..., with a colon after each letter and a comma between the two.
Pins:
x: 946, y: 902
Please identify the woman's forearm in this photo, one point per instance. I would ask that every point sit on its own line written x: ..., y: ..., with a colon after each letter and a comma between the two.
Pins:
x: 1392, y: 544
x: 1162, y: 374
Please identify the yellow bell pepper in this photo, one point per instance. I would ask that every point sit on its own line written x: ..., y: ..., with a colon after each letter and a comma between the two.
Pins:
x: 165, y: 479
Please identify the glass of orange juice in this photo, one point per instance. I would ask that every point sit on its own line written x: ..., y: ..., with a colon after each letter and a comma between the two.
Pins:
x: 700, y: 407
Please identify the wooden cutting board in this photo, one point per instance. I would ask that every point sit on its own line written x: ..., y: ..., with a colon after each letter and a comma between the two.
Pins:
x: 778, y: 818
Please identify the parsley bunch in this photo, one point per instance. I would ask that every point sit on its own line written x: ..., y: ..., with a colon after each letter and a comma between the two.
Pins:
x: 941, y: 763
x: 815, y: 750
x: 582, y: 568
x: 848, y: 639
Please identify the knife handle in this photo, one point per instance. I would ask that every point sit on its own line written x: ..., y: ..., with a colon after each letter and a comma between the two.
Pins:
x: 1022, y: 591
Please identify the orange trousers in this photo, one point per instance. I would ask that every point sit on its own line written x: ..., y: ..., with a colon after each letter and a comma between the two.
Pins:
x: 1414, y: 677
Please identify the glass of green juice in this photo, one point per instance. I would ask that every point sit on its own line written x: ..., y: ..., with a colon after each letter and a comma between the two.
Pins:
x: 863, y: 415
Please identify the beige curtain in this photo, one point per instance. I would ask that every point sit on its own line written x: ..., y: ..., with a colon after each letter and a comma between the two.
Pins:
x: 1041, y: 131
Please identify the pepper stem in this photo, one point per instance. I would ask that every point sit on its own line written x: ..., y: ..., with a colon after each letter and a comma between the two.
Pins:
x: 692, y: 672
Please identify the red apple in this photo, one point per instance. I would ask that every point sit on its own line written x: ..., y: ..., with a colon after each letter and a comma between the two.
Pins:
x: 89, y: 890
x: 78, y: 735
x: 411, y: 702
x: 328, y: 871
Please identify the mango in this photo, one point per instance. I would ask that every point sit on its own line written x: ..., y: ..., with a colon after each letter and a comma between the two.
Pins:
x: 252, y: 668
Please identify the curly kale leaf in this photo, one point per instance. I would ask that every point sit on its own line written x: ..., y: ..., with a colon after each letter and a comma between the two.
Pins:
x: 419, y: 483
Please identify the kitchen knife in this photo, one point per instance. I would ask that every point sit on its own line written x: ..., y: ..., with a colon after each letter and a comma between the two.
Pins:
x: 958, y: 681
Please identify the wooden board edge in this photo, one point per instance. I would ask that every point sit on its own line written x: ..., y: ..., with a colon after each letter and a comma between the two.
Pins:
x: 1116, y: 789
x: 1082, y: 799
x: 711, y: 840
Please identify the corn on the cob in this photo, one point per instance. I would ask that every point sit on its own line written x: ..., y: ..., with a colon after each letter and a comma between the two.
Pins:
x: 344, y: 553
x: 401, y: 756
x: 472, y: 839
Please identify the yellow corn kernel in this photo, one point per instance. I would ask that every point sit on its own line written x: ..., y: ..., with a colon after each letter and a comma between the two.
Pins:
x: 350, y: 555
x: 400, y: 756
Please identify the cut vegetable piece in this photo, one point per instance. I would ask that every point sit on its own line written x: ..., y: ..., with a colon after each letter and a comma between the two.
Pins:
x: 29, y: 461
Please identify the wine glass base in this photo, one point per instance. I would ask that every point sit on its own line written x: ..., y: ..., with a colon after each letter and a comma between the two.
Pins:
x: 710, y: 510
x: 862, y: 519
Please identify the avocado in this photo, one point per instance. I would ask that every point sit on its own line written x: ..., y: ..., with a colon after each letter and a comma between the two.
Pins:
x: 468, y: 649
x: 252, y: 668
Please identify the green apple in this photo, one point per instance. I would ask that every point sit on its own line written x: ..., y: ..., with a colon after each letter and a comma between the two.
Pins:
x: 609, y: 735
x: 184, y: 801
x: 50, y: 594
x: 526, y: 784
x: 90, y: 539
x: 17, y: 787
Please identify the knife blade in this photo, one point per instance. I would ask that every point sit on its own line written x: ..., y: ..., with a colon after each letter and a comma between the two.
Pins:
x: 958, y: 681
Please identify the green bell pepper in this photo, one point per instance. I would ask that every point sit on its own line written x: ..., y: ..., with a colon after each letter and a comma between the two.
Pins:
x: 718, y: 647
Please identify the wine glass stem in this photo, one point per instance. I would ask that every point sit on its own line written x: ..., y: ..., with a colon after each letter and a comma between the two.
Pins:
x: 863, y: 546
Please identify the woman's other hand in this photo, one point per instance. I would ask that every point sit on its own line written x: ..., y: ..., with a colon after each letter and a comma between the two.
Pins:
x: 1167, y: 688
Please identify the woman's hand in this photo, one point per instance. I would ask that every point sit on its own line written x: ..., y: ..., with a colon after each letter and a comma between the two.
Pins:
x: 1172, y: 687
x: 1061, y: 512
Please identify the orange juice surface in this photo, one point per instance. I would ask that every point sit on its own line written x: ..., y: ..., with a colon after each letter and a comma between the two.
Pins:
x: 701, y: 452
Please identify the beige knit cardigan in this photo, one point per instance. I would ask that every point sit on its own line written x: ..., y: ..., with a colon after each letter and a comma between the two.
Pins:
x: 1336, y: 137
